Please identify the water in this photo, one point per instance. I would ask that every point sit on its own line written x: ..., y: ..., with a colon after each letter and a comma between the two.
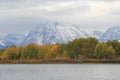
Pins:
x: 59, y: 72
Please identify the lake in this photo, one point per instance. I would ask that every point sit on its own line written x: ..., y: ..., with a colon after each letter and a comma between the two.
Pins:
x: 59, y: 72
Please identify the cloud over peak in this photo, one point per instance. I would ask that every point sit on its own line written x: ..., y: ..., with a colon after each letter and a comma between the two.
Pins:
x: 84, y: 12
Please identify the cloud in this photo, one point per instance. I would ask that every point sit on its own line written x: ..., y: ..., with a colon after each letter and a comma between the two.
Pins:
x: 84, y: 12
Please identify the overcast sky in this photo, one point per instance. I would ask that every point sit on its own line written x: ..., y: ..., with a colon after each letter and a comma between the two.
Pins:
x: 23, y: 15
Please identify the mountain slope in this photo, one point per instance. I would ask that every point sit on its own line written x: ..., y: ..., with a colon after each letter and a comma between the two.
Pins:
x: 111, y: 34
x: 51, y: 33
x: 12, y: 39
x: 96, y: 34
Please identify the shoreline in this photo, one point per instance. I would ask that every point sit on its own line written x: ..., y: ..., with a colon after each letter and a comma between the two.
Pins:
x: 60, y: 61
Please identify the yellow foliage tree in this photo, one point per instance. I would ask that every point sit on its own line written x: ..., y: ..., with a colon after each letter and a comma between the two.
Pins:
x: 10, y: 53
x: 54, y: 51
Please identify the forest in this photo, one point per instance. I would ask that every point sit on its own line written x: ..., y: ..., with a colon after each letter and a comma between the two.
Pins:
x: 82, y: 48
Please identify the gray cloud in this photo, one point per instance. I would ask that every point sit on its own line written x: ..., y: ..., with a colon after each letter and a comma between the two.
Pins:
x: 27, y: 3
x: 87, y: 13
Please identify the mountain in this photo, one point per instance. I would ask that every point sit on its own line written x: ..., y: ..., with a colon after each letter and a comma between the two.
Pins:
x: 12, y: 39
x: 112, y: 33
x: 54, y: 32
x: 51, y: 33
x: 96, y: 34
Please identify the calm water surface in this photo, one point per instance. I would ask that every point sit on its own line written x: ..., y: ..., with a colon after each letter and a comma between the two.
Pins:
x: 59, y: 72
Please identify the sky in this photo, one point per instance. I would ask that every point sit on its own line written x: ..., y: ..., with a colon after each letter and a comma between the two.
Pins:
x: 20, y: 16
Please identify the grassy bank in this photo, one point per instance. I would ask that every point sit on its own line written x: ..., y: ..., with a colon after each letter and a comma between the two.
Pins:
x: 59, y: 61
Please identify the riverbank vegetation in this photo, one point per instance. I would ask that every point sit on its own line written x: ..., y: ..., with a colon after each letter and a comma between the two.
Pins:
x: 80, y: 50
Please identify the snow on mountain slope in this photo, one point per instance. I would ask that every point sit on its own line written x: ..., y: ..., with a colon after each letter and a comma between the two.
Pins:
x: 13, y: 39
x: 111, y: 34
x: 51, y: 33
x: 96, y: 34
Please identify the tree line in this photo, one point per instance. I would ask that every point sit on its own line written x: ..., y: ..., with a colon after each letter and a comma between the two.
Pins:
x: 82, y: 48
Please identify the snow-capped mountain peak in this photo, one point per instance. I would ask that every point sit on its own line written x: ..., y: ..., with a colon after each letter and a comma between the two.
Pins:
x: 54, y: 33
x: 112, y: 33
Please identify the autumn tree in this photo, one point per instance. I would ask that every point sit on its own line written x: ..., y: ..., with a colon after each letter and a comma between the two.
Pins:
x: 47, y: 51
x: 1, y: 52
x: 116, y: 46
x: 117, y: 49
x: 43, y: 50
x: 103, y: 51
x: 62, y: 52
x: 10, y: 53
x: 21, y: 52
x: 113, y: 43
x: 31, y: 51
x: 75, y: 48
x: 90, y: 47
x: 54, y: 51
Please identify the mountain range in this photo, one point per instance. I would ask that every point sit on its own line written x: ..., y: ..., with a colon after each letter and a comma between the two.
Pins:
x: 51, y: 33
